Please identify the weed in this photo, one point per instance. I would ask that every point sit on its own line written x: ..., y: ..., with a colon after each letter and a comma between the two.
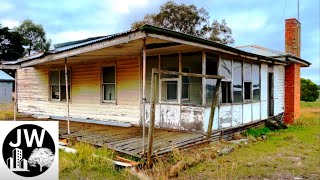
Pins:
x: 257, y: 132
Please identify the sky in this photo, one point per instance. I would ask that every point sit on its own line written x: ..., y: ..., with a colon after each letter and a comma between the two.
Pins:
x: 259, y: 22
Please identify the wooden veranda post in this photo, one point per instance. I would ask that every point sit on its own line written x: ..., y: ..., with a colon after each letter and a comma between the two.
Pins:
x: 152, y: 117
x: 67, y: 92
x: 213, y: 107
x: 15, y: 97
x: 144, y: 66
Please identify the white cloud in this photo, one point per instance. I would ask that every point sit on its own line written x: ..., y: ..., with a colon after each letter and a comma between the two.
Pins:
x: 10, y: 23
x: 125, y: 6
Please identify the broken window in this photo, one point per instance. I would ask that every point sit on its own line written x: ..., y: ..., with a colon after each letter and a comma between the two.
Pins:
x: 226, y: 71
x: 108, y: 84
x: 58, y: 85
x: 211, y: 69
x: 256, y: 81
x: 225, y: 92
x: 247, y: 72
x: 172, y: 90
x: 237, y: 81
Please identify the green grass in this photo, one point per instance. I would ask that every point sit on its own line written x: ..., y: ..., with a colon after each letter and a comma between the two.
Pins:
x: 257, y: 132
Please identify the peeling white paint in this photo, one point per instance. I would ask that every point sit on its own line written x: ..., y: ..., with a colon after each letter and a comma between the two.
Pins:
x: 236, y: 115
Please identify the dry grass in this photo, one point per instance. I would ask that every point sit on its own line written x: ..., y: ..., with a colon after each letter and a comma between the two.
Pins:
x: 6, y: 111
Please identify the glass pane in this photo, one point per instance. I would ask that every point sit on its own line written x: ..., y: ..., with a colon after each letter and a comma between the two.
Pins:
x: 212, y: 64
x: 226, y: 68
x: 185, y: 91
x: 170, y: 63
x: 210, y: 87
x: 256, y: 81
x: 226, y: 92
x: 63, y: 92
x: 247, y: 71
x: 109, y: 74
x: 62, y: 77
x: 54, y: 77
x: 247, y: 90
x: 54, y: 92
x: 109, y: 92
x: 237, y: 81
x: 172, y: 87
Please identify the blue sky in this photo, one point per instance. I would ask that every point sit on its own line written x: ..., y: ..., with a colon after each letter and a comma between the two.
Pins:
x: 259, y: 22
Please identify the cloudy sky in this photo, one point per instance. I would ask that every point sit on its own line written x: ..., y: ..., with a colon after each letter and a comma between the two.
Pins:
x: 259, y: 22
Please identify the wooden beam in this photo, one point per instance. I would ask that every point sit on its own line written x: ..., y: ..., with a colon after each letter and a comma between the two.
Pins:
x: 188, y: 74
x: 213, y: 106
x: 67, y: 92
x: 144, y: 70
x: 15, y: 110
x: 152, y: 118
x: 3, y: 66
x: 204, y: 63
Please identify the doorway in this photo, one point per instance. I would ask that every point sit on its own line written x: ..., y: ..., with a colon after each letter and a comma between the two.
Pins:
x: 270, y: 94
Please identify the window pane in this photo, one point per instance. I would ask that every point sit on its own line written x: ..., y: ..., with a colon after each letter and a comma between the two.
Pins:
x: 172, y: 87
x: 226, y: 92
x: 247, y: 71
x: 237, y: 81
x: 109, y: 74
x: 54, y: 77
x: 109, y: 92
x: 63, y: 92
x: 55, y: 92
x: 170, y: 63
x: 226, y: 68
x: 62, y: 77
x: 185, y: 91
x: 212, y: 64
x: 210, y: 87
x: 256, y: 81
x: 247, y: 90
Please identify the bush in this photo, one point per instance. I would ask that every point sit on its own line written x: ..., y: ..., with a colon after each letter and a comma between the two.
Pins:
x: 309, y: 90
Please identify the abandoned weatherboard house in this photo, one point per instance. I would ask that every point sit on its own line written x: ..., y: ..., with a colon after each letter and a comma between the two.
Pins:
x: 109, y: 79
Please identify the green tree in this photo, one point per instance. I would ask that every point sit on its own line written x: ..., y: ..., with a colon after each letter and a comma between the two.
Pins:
x: 190, y: 20
x: 309, y: 90
x: 11, y: 47
x: 34, y: 37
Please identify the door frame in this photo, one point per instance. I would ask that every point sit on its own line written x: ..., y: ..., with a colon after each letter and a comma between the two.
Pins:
x: 270, y: 94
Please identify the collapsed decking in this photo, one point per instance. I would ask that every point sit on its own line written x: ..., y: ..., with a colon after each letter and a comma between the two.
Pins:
x: 108, y: 78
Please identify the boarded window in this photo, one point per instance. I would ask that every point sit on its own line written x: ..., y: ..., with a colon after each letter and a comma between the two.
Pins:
x: 109, y: 84
x: 237, y: 81
x: 58, y: 85
x: 225, y: 92
x: 256, y: 81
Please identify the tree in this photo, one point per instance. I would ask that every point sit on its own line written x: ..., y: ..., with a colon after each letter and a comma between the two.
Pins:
x: 34, y: 37
x: 41, y: 156
x: 309, y: 90
x: 11, y: 47
x: 190, y: 20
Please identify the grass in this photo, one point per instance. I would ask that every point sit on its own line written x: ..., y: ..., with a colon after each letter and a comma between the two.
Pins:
x: 6, y: 111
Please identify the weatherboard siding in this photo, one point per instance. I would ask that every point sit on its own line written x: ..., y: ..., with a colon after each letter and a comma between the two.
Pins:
x: 33, y: 92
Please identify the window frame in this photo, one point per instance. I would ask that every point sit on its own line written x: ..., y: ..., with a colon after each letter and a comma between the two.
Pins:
x: 103, y: 101
x: 251, y: 92
x: 59, y: 70
x: 188, y: 83
x: 229, y: 80
x: 162, y: 80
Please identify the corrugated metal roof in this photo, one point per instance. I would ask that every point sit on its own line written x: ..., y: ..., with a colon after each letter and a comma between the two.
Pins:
x: 261, y: 51
x: 5, y: 77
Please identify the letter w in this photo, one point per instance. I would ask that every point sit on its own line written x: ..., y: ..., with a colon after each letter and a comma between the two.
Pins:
x: 34, y: 135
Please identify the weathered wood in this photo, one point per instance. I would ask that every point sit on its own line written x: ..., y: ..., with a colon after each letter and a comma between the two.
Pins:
x: 144, y: 59
x: 188, y: 74
x: 213, y: 107
x: 152, y: 117
x: 15, y: 97
x: 67, y: 92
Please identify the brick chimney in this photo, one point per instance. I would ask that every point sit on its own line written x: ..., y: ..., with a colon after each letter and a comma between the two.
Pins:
x: 292, y: 72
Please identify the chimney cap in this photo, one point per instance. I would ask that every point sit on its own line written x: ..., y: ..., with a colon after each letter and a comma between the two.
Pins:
x: 292, y: 19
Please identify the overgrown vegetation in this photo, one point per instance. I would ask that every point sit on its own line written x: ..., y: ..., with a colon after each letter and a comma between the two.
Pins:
x: 257, y: 132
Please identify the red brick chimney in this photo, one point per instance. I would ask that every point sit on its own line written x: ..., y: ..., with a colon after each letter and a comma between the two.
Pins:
x: 292, y: 72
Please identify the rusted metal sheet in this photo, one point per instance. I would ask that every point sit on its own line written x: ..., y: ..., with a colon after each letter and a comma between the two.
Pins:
x: 256, y: 111
x: 236, y: 115
x: 247, y: 116
x: 225, y: 116
x: 192, y: 118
